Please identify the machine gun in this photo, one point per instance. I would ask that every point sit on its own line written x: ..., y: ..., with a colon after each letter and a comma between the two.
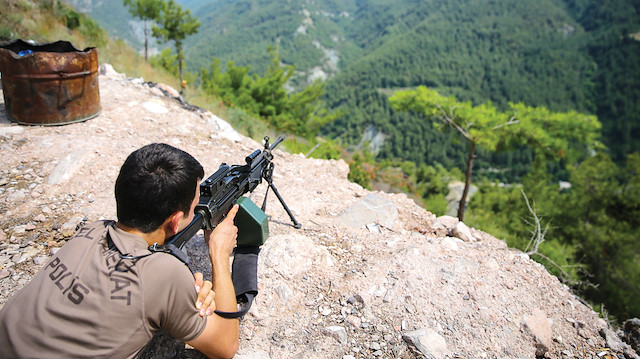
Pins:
x: 221, y: 190
x: 218, y: 194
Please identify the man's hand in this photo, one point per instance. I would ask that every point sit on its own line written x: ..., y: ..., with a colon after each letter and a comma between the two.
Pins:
x: 221, y: 336
x: 205, y: 302
x: 222, y: 239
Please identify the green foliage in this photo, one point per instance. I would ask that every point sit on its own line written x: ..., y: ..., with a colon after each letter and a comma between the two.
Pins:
x: 592, y: 227
x: 612, y: 46
x: 261, y: 23
x: 299, y: 113
x: 175, y: 24
x: 323, y: 149
x: 247, y: 124
x: 601, y: 207
x: 550, y: 135
x: 93, y: 32
x: 361, y: 169
x: 144, y: 9
x: 166, y: 60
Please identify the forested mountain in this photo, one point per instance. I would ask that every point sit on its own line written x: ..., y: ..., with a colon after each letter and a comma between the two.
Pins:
x: 562, y: 54
x: 478, y: 51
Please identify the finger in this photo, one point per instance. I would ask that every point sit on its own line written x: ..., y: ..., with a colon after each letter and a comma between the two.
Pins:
x: 202, y: 295
x: 199, y: 279
x: 209, y: 305
x: 232, y: 213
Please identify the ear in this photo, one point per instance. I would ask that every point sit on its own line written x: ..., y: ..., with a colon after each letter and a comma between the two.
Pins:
x: 174, y: 221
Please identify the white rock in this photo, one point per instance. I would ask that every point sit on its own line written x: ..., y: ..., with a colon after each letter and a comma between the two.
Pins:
x: 108, y: 70
x: 40, y: 260
x: 462, y: 231
x: 155, y: 107
x: 11, y: 130
x: 221, y: 129
x: 69, y: 166
x: 339, y: 333
x: 449, y: 243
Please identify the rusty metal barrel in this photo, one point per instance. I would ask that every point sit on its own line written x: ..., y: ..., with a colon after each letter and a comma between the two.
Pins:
x: 49, y: 84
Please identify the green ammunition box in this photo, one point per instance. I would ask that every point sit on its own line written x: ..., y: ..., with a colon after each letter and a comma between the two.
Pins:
x: 252, y: 223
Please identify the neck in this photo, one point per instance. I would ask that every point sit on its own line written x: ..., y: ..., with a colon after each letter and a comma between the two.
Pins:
x: 157, y: 236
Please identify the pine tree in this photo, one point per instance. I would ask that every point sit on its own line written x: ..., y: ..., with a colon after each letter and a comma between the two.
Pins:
x: 147, y: 11
x: 176, y: 24
x: 551, y: 135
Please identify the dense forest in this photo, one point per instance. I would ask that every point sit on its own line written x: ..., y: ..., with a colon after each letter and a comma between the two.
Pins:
x: 555, y: 57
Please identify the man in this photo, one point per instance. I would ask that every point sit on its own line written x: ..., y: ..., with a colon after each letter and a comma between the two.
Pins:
x: 105, y: 293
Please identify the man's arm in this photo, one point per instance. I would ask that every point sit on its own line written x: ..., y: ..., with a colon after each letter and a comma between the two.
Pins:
x: 221, y: 336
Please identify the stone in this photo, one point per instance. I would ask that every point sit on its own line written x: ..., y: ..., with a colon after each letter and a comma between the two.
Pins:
x: 4, y: 273
x: 632, y: 333
x: 40, y: 260
x: 537, y: 326
x: 463, y: 232
x: 69, y: 228
x: 337, y: 332
x: 168, y: 89
x: 428, y: 342
x: 108, y: 70
x: 449, y: 244
x: 613, y: 341
x: 294, y: 255
x: 284, y: 292
x: 354, y: 321
x: 448, y: 222
x: 370, y: 209
x: 69, y: 166
x: 11, y: 130
x: 40, y: 218
x: 20, y: 229
x: 155, y: 107
x: 27, y: 254
x: 222, y: 129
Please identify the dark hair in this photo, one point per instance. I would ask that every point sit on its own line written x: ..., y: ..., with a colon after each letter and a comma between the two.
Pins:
x: 154, y: 182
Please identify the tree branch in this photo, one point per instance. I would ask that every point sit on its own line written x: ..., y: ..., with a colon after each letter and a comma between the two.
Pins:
x: 512, y: 121
x: 449, y: 119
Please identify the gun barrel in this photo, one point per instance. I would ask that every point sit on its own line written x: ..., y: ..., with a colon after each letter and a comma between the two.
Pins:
x: 280, y: 139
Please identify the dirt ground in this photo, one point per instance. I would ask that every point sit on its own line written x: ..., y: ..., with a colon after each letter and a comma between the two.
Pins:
x: 327, y: 290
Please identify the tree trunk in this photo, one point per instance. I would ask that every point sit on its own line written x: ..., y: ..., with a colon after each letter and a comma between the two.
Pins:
x: 467, y: 181
x: 179, y: 51
x: 146, y: 41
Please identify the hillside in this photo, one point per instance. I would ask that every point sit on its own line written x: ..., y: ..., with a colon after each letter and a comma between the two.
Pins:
x: 403, y: 285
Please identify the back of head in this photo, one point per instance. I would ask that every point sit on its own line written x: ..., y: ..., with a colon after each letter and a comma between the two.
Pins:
x: 155, y: 181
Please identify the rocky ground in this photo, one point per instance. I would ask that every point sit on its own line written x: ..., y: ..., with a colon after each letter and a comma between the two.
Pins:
x: 369, y: 274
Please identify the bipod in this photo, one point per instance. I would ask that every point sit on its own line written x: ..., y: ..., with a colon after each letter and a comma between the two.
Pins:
x: 268, y: 176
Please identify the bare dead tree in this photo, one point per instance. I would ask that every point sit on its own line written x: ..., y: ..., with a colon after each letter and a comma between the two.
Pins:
x: 538, y: 237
